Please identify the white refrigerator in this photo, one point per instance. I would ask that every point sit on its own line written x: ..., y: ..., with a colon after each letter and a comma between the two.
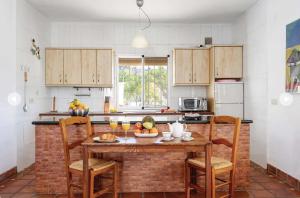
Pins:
x: 229, y: 99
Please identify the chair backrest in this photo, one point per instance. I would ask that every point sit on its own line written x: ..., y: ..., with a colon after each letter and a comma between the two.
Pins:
x: 64, y: 123
x: 236, y: 122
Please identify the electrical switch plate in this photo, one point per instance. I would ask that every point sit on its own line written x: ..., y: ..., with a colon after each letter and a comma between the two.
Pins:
x: 274, y: 101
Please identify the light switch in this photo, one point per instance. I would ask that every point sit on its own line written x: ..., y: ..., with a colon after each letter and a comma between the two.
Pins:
x: 274, y: 101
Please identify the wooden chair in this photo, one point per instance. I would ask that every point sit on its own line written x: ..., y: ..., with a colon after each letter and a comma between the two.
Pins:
x: 219, y: 165
x: 96, y: 166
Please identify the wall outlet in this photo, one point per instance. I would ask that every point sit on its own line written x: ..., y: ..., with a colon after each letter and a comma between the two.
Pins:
x: 274, y: 101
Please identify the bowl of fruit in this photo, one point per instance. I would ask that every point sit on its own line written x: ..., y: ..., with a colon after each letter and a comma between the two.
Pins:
x: 146, y: 128
x: 77, y: 108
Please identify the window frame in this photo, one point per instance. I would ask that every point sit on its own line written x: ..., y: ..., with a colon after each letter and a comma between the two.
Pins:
x: 125, y: 108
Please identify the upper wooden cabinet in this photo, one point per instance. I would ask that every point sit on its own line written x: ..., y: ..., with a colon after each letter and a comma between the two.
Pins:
x: 183, y: 66
x: 201, y: 66
x: 79, y: 67
x: 54, y: 67
x: 89, y: 67
x: 228, y: 61
x: 72, y: 67
x: 104, y: 67
x: 191, y: 67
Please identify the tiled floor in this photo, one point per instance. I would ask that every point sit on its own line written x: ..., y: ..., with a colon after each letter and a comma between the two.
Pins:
x: 261, y: 186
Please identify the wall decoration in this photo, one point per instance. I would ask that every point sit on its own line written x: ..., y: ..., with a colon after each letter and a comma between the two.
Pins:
x: 35, y: 49
x: 293, y: 57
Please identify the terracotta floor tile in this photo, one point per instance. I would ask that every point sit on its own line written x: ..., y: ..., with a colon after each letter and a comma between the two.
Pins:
x: 154, y: 195
x: 5, y: 195
x: 285, y: 193
x: 274, y: 186
x: 255, y: 186
x: 131, y: 195
x: 261, y: 185
x: 23, y: 195
x: 261, y: 194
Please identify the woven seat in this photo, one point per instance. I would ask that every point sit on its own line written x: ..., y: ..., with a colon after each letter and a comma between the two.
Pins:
x: 94, y: 164
x: 216, y: 162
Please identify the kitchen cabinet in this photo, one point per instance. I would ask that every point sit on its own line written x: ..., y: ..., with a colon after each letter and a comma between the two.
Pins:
x: 54, y: 67
x: 72, y: 67
x: 191, y: 67
x: 183, y: 66
x: 228, y: 61
x: 201, y: 66
x: 89, y: 67
x: 104, y: 67
x: 79, y: 67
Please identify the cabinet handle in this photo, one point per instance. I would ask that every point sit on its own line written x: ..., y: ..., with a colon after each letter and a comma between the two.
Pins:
x: 66, y: 78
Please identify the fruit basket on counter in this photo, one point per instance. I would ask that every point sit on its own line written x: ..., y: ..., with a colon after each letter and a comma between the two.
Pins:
x: 77, y: 108
x: 146, y: 128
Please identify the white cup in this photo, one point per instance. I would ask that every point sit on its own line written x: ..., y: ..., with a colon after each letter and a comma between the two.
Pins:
x: 166, y: 135
x: 187, y: 135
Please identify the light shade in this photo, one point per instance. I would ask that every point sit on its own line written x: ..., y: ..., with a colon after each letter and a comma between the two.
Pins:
x: 286, y: 99
x: 139, y: 41
x: 14, y: 99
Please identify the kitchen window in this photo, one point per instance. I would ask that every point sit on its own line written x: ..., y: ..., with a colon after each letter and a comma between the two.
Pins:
x: 143, y: 83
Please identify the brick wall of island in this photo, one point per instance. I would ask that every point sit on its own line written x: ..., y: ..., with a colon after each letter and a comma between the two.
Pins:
x: 140, y: 172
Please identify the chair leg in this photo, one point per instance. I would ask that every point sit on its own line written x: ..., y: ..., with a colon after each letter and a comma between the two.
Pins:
x: 213, y: 183
x: 70, y: 192
x: 92, y: 182
x: 115, y: 180
x: 231, y: 185
x: 187, y: 180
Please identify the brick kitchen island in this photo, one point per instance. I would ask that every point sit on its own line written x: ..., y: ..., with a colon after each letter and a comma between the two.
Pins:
x: 140, y: 172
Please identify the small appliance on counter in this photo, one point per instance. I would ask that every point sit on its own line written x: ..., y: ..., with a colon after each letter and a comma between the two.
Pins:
x: 190, y: 104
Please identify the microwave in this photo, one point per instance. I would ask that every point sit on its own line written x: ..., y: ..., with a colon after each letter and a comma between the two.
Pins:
x: 192, y: 104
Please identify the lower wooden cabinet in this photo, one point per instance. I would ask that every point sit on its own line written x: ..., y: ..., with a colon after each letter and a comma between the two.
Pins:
x: 79, y: 67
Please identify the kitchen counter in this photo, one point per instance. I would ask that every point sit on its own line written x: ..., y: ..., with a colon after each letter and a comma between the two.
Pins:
x: 127, y: 113
x: 140, y: 172
x: 161, y: 119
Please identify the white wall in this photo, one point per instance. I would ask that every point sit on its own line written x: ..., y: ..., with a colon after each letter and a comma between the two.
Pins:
x: 8, y: 143
x: 30, y: 24
x: 162, y: 38
x: 276, y: 128
x: 250, y: 29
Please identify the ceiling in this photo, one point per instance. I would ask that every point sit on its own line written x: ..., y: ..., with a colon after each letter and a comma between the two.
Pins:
x: 206, y: 11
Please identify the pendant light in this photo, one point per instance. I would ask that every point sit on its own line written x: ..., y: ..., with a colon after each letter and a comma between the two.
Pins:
x: 140, y: 41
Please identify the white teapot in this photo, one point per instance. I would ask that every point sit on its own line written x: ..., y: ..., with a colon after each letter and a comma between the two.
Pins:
x: 177, y: 129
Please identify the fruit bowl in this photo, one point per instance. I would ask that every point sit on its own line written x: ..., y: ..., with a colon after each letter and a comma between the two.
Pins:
x: 77, y: 108
x: 79, y: 112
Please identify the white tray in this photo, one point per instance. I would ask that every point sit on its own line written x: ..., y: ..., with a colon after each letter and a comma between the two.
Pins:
x: 146, y: 134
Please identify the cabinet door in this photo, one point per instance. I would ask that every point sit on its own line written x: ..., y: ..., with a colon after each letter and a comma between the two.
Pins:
x: 72, y: 67
x: 201, y: 66
x: 89, y: 67
x: 54, y: 67
x: 228, y: 62
x: 183, y: 66
x: 104, y: 68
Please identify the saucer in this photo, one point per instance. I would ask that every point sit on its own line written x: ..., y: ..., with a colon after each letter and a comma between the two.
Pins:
x: 167, y: 139
x: 187, y: 139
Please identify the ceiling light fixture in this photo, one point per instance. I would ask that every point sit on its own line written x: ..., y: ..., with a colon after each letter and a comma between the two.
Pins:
x: 140, y: 41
